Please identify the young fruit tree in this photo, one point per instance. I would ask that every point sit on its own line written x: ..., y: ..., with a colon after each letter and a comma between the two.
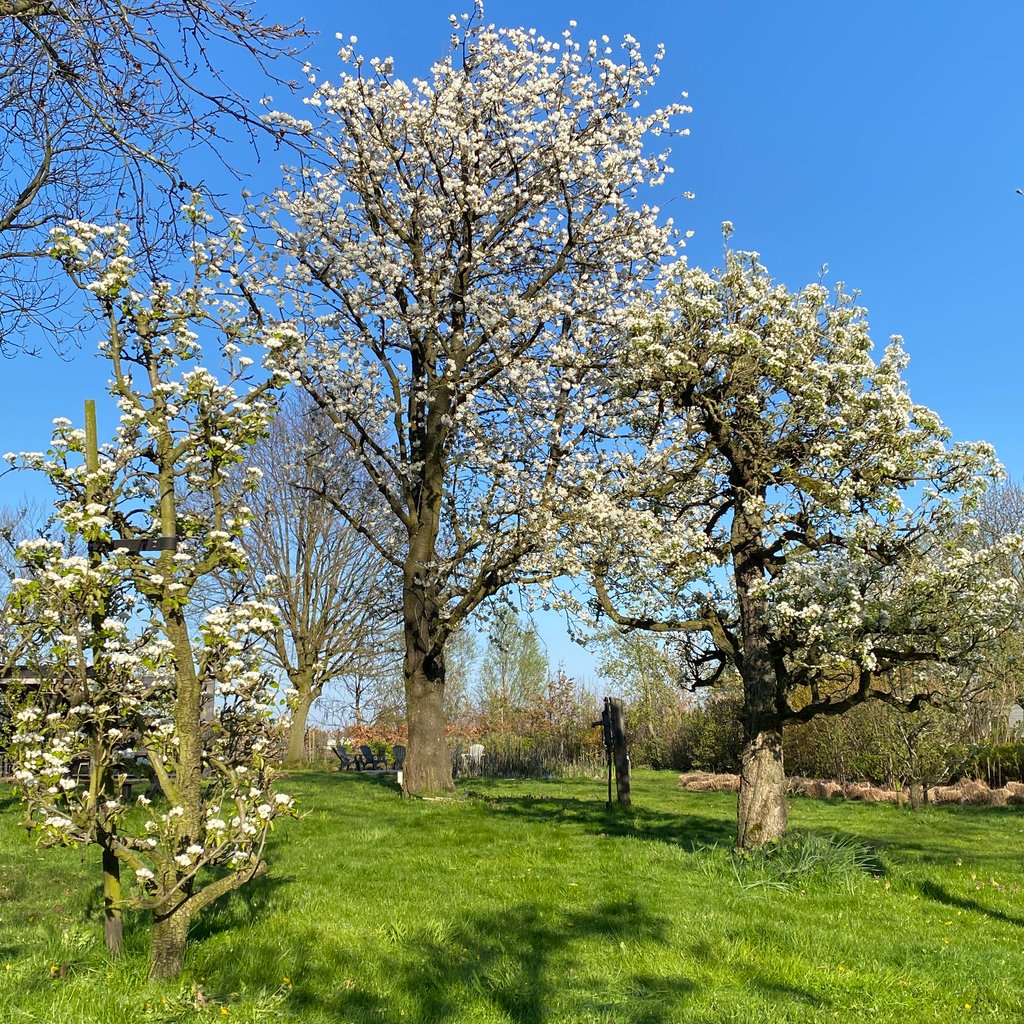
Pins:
x: 123, y: 671
x: 787, y: 511
x: 513, y: 671
x: 461, y: 253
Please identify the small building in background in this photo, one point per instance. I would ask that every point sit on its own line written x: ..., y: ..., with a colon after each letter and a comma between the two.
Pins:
x: 1016, y: 721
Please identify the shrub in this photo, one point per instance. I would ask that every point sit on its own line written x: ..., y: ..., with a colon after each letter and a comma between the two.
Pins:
x: 998, y: 763
x: 709, y: 737
x: 538, y: 757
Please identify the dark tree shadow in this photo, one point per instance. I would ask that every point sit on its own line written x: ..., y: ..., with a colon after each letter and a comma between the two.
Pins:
x: 511, y: 959
x: 936, y: 892
x: 685, y: 830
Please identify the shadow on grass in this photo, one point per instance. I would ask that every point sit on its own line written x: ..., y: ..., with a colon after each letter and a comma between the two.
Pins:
x: 240, y: 908
x: 336, y: 780
x: 936, y: 892
x: 685, y: 830
x: 521, y: 964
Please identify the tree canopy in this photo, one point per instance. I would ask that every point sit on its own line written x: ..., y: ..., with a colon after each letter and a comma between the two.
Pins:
x: 459, y: 249
x: 788, y: 508
x: 101, y: 101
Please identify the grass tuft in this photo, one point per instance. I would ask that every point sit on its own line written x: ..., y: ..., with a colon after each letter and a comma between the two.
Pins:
x: 805, y: 859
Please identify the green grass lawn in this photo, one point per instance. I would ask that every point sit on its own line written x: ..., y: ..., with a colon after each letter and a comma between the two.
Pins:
x: 528, y: 903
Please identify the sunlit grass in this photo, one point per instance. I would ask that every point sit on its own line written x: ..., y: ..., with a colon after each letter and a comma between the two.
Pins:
x: 527, y: 902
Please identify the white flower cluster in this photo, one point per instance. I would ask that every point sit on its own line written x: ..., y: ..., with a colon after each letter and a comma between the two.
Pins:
x: 780, y: 491
x: 461, y: 259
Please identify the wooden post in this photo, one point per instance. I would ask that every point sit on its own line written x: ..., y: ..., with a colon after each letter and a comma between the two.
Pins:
x: 113, y: 929
x: 92, y: 447
x: 619, y: 751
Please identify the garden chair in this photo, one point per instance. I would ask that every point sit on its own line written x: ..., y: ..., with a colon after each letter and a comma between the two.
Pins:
x: 346, y: 757
x: 473, y: 760
x: 368, y: 759
x: 398, y: 757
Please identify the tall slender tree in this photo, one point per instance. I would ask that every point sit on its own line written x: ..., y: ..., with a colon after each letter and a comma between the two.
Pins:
x: 461, y: 252
x: 513, y: 671
x: 337, y: 597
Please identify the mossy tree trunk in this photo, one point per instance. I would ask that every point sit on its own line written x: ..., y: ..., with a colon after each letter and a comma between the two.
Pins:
x: 761, y: 815
x: 169, y: 936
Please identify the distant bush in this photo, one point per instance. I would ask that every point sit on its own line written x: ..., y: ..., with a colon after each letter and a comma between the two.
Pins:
x: 708, y: 737
x: 998, y: 763
x: 654, y: 734
x: 537, y: 757
x: 876, y: 743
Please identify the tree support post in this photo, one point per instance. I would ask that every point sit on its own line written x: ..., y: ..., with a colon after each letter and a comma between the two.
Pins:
x: 613, y: 725
x: 620, y: 753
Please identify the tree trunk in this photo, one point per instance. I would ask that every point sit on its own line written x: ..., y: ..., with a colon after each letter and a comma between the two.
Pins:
x: 761, y: 812
x: 113, y: 928
x: 428, y: 765
x: 917, y: 797
x: 297, y: 730
x: 168, y: 950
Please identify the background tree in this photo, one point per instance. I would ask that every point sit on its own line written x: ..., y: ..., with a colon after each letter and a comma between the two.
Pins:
x: 336, y: 595
x: 17, y: 524
x: 1000, y: 515
x: 462, y: 671
x: 101, y: 103
x: 461, y: 252
x: 513, y: 671
x: 794, y: 512
x: 644, y: 670
x: 167, y: 485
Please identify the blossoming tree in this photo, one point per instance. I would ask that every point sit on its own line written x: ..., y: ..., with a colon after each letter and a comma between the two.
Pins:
x: 791, y: 514
x: 462, y: 249
x: 127, y: 679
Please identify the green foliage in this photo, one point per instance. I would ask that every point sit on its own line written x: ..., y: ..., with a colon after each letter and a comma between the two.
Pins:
x: 645, y: 673
x: 513, y: 671
x: 709, y: 737
x: 998, y: 763
x: 880, y: 744
x: 541, y: 757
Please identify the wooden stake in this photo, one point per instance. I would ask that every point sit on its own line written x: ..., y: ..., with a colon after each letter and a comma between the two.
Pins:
x: 113, y: 928
x: 620, y: 753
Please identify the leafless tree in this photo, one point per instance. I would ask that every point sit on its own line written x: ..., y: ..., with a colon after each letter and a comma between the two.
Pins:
x: 1001, y: 514
x: 313, y: 545
x: 101, y: 104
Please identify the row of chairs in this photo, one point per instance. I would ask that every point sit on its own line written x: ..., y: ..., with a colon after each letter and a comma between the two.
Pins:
x: 367, y: 760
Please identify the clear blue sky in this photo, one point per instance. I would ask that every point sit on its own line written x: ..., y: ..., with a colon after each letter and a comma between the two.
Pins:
x: 884, y: 139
